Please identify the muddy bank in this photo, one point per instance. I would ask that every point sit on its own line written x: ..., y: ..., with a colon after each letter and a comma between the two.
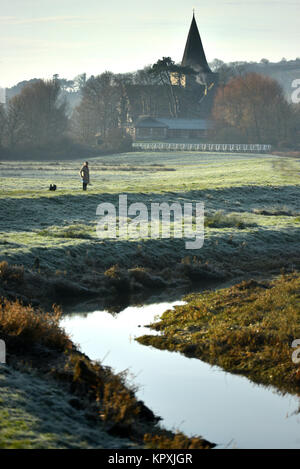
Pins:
x: 137, y: 280
x: 106, y: 405
x: 115, y: 285
x: 246, y: 329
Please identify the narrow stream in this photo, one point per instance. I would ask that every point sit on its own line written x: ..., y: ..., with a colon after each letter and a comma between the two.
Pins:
x: 188, y: 394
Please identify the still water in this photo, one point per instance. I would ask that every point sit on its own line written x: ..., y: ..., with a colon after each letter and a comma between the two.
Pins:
x: 188, y: 394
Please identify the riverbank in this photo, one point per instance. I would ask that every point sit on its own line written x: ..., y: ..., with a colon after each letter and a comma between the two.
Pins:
x: 53, y: 396
x: 246, y: 329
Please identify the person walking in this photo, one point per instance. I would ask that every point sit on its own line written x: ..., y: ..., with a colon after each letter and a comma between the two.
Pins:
x: 85, y: 175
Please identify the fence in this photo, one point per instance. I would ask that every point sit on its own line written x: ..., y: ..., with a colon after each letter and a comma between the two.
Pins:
x: 213, y: 147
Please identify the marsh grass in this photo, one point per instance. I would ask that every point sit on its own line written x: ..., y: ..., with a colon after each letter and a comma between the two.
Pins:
x: 31, y: 327
x: 246, y: 329
x: 71, y: 232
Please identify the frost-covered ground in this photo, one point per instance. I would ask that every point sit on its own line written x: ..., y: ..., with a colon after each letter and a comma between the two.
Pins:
x: 251, y: 206
x: 35, y: 413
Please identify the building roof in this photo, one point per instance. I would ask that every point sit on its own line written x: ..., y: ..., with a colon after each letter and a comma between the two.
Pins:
x: 174, y: 123
x: 194, y: 55
x: 150, y: 122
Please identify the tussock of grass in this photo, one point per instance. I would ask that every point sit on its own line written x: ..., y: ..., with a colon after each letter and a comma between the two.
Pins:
x: 32, y: 327
x: 116, y: 403
x: 246, y: 329
x: 71, y: 231
x: 143, y: 277
x: 11, y: 273
x: 220, y: 219
x: 119, y: 278
x: 277, y: 211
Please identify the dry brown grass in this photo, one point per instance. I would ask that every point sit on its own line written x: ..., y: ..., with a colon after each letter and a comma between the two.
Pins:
x: 11, y: 273
x: 33, y: 327
x: 119, y: 278
x: 119, y: 403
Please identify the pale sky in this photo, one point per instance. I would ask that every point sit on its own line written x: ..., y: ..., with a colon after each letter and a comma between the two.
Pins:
x: 41, y: 37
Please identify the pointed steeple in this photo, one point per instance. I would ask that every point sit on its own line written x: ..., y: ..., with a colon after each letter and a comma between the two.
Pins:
x: 194, y: 55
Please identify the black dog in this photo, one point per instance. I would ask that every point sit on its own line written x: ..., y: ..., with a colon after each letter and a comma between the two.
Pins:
x: 52, y: 187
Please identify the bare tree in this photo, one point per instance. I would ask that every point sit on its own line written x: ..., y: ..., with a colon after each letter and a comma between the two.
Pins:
x: 99, y: 110
x: 15, y: 129
x: 37, y: 116
x: 3, y: 122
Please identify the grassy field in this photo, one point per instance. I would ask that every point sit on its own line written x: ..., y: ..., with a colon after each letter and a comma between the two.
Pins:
x: 251, y: 207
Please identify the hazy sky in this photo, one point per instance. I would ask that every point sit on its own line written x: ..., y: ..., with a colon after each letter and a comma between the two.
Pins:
x: 42, y: 37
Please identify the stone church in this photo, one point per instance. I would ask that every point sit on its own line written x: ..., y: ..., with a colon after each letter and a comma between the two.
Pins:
x: 194, y: 93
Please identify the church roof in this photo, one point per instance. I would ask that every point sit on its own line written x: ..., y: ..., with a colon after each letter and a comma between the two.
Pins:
x: 194, y: 55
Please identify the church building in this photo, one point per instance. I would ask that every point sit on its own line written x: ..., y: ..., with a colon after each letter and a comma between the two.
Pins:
x: 195, y: 96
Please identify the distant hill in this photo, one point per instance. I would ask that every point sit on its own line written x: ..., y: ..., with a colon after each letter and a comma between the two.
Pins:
x: 285, y: 71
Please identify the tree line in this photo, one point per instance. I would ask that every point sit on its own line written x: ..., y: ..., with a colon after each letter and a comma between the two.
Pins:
x: 246, y: 107
x: 253, y: 108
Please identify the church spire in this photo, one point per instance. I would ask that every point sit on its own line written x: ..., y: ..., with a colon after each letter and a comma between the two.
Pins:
x: 194, y: 55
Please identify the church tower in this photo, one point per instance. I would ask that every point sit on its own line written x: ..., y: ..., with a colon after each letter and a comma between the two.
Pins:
x: 194, y: 57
